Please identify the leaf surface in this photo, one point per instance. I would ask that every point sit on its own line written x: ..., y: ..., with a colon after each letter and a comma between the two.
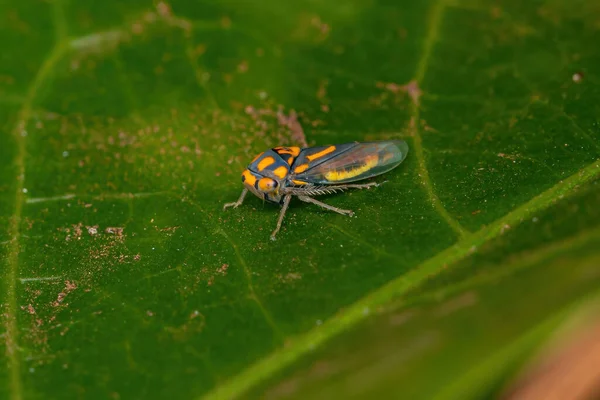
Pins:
x: 126, y: 126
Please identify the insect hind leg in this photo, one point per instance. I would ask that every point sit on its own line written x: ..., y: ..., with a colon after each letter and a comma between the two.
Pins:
x: 314, y: 190
x: 354, y: 186
x: 326, y: 206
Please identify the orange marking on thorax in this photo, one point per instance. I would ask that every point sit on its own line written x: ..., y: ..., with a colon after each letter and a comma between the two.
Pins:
x: 300, y: 168
x: 298, y: 182
x: 342, y: 174
x: 265, y: 162
x: 320, y: 154
x: 281, y: 172
x: 248, y: 178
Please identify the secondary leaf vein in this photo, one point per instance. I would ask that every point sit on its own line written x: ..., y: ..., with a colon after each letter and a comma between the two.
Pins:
x: 435, y: 18
x: 252, y: 293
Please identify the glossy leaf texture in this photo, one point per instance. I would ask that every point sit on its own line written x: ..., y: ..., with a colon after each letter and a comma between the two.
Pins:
x: 126, y: 125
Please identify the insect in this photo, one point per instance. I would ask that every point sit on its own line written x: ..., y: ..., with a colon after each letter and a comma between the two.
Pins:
x: 281, y: 173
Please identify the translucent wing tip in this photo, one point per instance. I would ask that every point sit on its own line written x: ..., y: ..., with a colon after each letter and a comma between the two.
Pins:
x: 402, y: 147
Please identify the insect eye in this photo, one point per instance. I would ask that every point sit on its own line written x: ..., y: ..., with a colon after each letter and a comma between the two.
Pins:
x: 267, y: 184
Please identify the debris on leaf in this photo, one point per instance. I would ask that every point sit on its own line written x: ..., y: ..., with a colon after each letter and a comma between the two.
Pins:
x: 114, y: 231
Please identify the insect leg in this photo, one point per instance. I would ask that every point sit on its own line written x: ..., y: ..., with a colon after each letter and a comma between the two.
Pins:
x: 318, y: 190
x: 238, y: 202
x: 354, y: 186
x: 286, y: 203
x: 327, y: 206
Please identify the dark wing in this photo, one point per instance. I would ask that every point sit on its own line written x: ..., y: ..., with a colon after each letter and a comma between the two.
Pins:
x: 348, y: 162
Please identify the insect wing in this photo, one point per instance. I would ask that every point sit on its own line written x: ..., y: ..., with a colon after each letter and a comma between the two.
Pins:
x: 352, y: 162
x: 313, y: 156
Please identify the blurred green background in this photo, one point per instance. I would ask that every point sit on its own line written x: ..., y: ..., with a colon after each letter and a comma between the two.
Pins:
x: 125, y: 126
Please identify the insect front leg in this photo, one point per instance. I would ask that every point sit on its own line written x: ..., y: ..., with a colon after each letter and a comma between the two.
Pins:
x: 286, y: 203
x: 327, y: 206
x: 238, y: 202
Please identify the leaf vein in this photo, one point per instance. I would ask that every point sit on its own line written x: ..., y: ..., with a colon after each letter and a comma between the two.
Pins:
x: 18, y: 132
x: 252, y: 293
x: 375, y: 249
x: 435, y: 19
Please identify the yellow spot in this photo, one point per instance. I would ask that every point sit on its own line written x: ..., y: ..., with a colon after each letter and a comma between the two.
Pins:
x: 280, y: 172
x: 265, y: 162
x: 320, y: 154
x: 290, y: 160
x: 266, y: 184
x: 297, y: 182
x: 301, y: 168
x: 248, y: 178
x: 294, y: 151
x: 342, y: 174
x: 256, y: 158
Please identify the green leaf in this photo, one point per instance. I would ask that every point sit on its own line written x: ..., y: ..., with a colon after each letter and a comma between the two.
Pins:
x: 125, y: 126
